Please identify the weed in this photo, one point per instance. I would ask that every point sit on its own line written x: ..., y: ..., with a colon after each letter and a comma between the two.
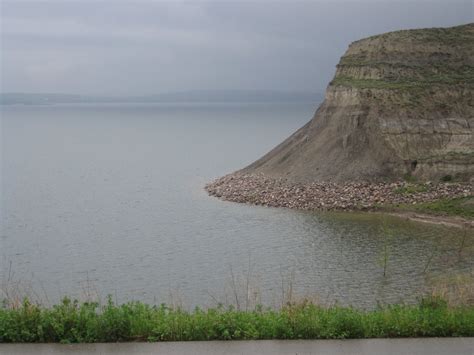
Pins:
x: 410, y: 189
x: 462, y: 206
x: 73, y: 322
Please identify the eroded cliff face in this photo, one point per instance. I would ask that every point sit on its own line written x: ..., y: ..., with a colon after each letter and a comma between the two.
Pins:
x: 401, y: 104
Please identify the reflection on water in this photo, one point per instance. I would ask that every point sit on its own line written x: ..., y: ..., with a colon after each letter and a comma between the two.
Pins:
x: 109, y: 200
x: 362, y: 246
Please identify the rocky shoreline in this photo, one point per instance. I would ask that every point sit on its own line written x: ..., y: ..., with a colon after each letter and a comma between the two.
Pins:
x: 259, y: 189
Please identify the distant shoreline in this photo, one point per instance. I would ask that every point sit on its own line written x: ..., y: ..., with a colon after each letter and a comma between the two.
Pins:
x: 198, y: 96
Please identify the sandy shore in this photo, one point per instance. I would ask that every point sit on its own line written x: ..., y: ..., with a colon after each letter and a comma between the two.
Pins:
x: 447, y: 221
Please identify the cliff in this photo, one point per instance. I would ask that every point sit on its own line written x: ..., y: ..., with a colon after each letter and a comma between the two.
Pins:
x: 401, y: 105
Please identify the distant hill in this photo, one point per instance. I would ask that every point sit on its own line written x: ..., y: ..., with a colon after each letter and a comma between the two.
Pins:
x: 184, y: 96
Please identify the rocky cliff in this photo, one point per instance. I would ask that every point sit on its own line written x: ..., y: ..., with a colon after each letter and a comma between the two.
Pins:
x: 401, y: 105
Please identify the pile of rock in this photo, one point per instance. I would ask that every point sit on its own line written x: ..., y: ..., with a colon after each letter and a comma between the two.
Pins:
x: 259, y: 189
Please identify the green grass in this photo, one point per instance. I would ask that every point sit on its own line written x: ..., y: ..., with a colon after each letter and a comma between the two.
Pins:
x: 459, y: 35
x: 404, y: 83
x: 463, y: 207
x: 446, y: 65
x: 377, y: 84
x: 72, y: 322
x: 411, y: 189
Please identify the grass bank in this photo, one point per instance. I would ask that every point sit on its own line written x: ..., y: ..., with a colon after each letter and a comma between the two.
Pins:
x: 73, y: 322
x: 461, y: 207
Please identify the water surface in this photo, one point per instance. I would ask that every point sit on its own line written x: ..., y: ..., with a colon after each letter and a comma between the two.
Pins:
x: 109, y: 199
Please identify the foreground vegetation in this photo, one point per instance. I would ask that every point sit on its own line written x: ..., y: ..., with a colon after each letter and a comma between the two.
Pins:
x: 72, y: 322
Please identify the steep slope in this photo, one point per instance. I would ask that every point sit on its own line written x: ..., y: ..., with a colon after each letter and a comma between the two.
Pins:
x: 401, y: 104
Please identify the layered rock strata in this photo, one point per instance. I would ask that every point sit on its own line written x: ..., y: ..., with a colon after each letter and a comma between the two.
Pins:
x: 400, y: 104
x: 400, y: 107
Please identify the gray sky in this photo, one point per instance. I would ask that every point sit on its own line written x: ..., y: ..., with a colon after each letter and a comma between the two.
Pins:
x: 144, y: 47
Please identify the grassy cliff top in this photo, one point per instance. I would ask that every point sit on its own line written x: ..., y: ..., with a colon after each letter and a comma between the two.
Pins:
x: 410, y: 59
x: 459, y: 35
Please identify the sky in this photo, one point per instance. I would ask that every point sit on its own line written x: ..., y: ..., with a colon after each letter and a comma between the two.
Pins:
x: 114, y: 47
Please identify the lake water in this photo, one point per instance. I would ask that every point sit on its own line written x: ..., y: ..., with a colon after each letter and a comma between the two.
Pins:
x: 109, y: 199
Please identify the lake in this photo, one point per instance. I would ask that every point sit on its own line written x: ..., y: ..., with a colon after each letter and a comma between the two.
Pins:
x: 109, y: 199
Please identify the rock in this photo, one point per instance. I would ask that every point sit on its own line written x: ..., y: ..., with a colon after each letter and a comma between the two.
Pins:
x: 396, y: 127
x: 268, y: 191
x: 373, y: 130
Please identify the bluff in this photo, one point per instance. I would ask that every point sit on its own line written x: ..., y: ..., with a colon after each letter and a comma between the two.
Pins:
x: 401, y: 104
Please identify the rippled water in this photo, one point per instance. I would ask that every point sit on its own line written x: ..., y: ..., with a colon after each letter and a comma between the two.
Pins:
x: 109, y: 199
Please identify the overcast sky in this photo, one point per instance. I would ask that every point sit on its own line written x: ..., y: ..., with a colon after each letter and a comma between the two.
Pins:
x: 144, y: 47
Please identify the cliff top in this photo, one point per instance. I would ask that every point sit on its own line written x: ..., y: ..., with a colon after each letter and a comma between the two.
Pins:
x: 410, y: 59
